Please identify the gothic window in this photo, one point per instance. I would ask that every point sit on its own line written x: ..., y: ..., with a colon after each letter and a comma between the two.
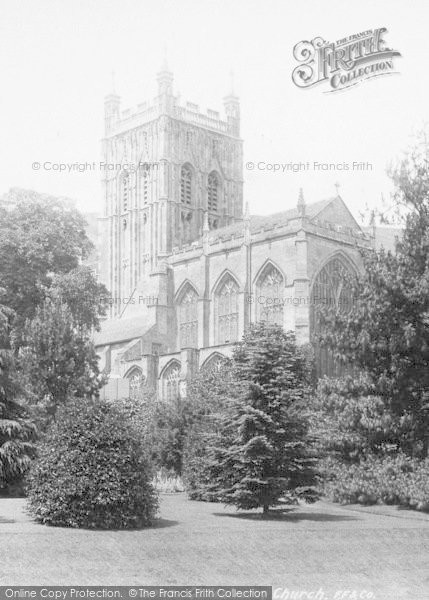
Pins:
x: 188, y: 319
x: 269, y: 296
x: 186, y: 184
x: 332, y: 288
x: 136, y: 380
x: 144, y: 178
x: 214, y: 363
x: 170, y: 382
x: 125, y: 192
x: 213, y: 192
x: 226, y: 311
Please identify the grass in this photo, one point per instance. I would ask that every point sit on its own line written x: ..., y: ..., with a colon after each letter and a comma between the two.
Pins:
x: 321, y: 546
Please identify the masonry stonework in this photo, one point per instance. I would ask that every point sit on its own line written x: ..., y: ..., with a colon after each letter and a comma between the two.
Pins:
x: 188, y: 269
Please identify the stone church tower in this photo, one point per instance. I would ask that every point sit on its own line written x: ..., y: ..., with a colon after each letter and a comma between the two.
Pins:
x: 166, y: 166
x: 188, y: 271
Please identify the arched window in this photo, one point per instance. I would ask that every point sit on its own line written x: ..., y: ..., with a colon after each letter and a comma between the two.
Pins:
x: 270, y: 295
x: 144, y: 180
x: 214, y: 363
x: 331, y: 288
x: 188, y: 318
x: 125, y: 192
x: 136, y: 380
x: 213, y: 192
x: 170, y: 382
x: 186, y: 184
x: 226, y: 311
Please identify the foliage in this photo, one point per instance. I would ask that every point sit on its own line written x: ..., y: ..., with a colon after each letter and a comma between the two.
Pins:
x: 39, y: 235
x: 92, y: 470
x: 17, y: 437
x: 167, y: 432
x: 171, y: 421
x: 386, y: 333
x: 396, y: 479
x: 349, y: 420
x: 17, y: 432
x: 85, y: 297
x: 59, y: 358
x: 263, y: 456
x: 210, y: 392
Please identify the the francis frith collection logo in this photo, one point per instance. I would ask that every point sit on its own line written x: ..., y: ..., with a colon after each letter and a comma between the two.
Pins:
x: 344, y: 63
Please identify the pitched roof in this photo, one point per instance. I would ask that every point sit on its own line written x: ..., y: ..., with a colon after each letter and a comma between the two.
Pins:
x: 385, y: 237
x: 121, y: 330
x: 268, y: 221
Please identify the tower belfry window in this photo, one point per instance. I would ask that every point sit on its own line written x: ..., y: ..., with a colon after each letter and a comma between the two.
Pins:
x: 125, y: 193
x: 186, y: 185
x: 213, y: 192
x: 145, y: 185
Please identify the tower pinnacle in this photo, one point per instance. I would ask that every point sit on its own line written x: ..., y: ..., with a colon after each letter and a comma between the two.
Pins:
x: 165, y: 80
x: 301, y: 203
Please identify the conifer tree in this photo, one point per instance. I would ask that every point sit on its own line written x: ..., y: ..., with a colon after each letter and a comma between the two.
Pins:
x: 385, y: 334
x: 17, y: 432
x: 264, y: 455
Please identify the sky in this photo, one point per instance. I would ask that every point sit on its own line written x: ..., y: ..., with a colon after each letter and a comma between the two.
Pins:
x: 57, y: 58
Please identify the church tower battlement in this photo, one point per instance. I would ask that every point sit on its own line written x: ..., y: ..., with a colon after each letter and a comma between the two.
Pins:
x: 165, y: 165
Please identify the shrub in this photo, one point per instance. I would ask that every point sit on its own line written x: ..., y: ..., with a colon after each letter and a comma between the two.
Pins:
x: 197, y: 465
x: 167, y: 432
x: 396, y: 479
x: 209, y: 394
x: 92, y: 470
x: 171, y: 422
x: 350, y: 421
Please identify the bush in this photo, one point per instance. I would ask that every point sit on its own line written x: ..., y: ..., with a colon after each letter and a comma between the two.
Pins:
x: 350, y: 421
x: 197, y: 463
x: 166, y: 434
x: 389, y: 480
x: 209, y: 394
x: 171, y: 422
x: 92, y: 470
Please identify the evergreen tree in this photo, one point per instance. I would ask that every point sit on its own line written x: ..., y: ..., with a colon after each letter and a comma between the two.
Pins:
x: 17, y: 432
x: 386, y: 332
x: 350, y: 422
x: 264, y: 455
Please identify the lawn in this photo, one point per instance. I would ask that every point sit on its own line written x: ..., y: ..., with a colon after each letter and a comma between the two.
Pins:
x: 323, y: 546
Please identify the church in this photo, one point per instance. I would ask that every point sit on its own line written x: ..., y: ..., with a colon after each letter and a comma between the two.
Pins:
x: 187, y: 266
